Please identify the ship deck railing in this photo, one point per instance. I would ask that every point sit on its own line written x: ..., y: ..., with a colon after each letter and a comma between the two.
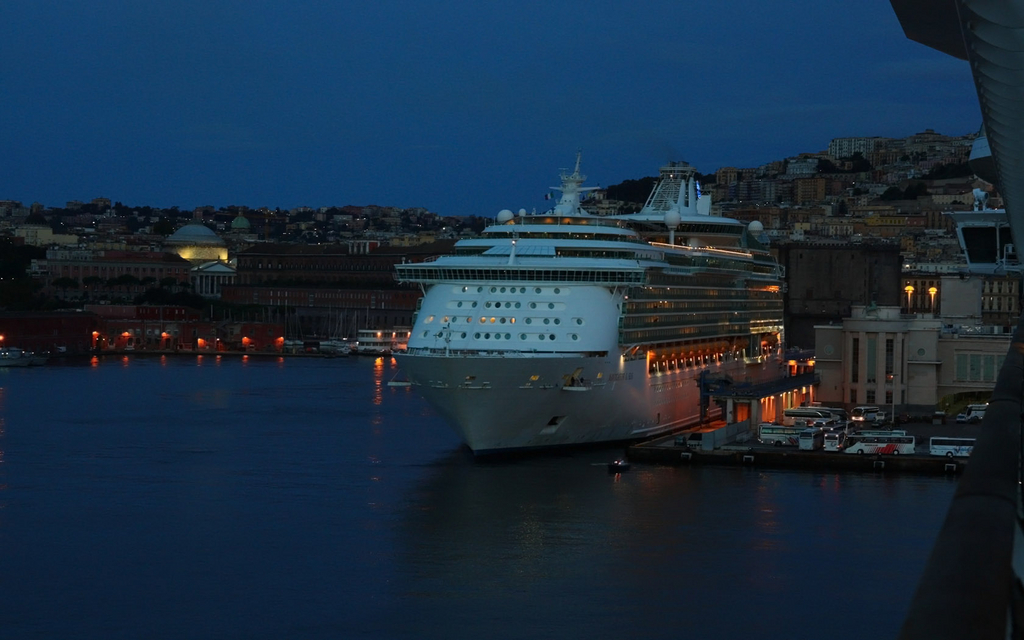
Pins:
x: 490, y: 353
x: 972, y: 583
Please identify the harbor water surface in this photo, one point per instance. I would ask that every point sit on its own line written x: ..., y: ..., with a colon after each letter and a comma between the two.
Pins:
x: 222, y: 497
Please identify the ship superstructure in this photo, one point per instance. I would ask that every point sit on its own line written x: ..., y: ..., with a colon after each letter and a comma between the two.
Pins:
x: 563, y: 328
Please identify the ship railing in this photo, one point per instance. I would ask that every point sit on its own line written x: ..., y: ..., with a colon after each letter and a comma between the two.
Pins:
x: 972, y: 583
x: 492, y: 353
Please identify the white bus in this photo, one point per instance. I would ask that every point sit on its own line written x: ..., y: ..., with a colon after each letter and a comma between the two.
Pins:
x: 882, y: 445
x: 812, y: 439
x: 974, y: 413
x: 879, y: 432
x: 867, y: 414
x: 950, y: 447
x: 834, y: 441
x: 807, y: 416
x: 779, y: 435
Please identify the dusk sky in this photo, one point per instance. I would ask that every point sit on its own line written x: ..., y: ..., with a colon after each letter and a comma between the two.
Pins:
x: 461, y: 107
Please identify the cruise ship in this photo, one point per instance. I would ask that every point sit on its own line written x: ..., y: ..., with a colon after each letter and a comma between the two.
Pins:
x: 565, y: 328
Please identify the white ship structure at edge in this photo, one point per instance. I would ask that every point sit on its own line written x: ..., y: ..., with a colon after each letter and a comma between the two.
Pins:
x: 564, y: 328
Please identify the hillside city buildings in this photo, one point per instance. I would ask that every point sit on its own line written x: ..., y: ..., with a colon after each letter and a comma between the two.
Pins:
x: 874, y: 271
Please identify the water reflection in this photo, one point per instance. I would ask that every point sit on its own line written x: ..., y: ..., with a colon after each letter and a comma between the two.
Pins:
x: 378, y: 381
x: 562, y: 527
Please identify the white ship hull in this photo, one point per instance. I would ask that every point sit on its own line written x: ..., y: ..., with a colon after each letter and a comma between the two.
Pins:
x: 562, y: 328
x: 510, y: 403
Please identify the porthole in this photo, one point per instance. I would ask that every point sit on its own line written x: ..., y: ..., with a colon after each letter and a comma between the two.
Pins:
x: 537, y: 290
x: 920, y: 352
x: 492, y: 320
x: 518, y: 305
x: 508, y: 336
x: 479, y: 289
x: 579, y: 320
x: 533, y: 305
x: 493, y: 289
x: 487, y: 305
x: 522, y: 336
x: 487, y: 336
x: 483, y: 320
x: 474, y: 305
x: 502, y: 320
x: 463, y: 334
x: 430, y: 319
x: 547, y: 320
x: 460, y: 304
x: 551, y: 305
x: 503, y: 289
x: 529, y: 321
x: 476, y: 335
x: 522, y: 289
x: 424, y: 334
x: 557, y: 290
x: 575, y: 337
x: 445, y: 319
x: 552, y: 336
x: 558, y: 321
x: 465, y: 289
x: 541, y: 336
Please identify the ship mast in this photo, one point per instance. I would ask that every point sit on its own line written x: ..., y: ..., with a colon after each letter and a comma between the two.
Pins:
x: 572, y: 187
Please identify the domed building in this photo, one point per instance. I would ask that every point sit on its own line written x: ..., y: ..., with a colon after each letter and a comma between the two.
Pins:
x: 197, y: 243
x: 240, y: 224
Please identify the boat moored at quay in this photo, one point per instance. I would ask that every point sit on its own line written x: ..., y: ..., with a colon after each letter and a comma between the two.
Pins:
x: 564, y: 328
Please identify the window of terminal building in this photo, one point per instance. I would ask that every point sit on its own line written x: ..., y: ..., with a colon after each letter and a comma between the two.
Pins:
x: 889, y: 350
x: 872, y: 360
x: 855, y: 361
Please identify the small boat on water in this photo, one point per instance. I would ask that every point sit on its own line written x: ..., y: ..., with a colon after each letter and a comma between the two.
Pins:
x: 14, y: 357
x: 381, y: 342
x: 618, y: 466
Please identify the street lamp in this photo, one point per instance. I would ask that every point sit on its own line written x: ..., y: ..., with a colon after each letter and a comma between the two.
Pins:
x: 894, y: 378
x: 910, y: 291
x: 932, y: 291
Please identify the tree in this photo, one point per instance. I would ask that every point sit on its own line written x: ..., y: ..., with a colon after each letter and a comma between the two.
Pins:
x: 64, y: 283
x: 859, y: 163
x: 826, y: 166
x: 632, y: 190
x: 163, y: 227
x: 915, y: 190
x: 892, y: 193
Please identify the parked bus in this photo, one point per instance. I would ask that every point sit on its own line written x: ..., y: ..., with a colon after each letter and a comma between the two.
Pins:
x: 867, y: 414
x: 879, y: 432
x: 950, y: 447
x: 807, y: 416
x: 834, y: 440
x: 973, y: 413
x: 779, y: 435
x: 812, y: 439
x: 888, y: 444
x: 840, y: 414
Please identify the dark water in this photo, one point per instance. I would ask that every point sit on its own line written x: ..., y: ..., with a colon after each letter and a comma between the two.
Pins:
x: 304, y: 498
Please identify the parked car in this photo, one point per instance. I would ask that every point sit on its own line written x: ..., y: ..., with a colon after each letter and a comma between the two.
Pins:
x: 961, y: 418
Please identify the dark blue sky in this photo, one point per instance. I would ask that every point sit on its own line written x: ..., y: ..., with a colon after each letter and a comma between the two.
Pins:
x: 459, y: 106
